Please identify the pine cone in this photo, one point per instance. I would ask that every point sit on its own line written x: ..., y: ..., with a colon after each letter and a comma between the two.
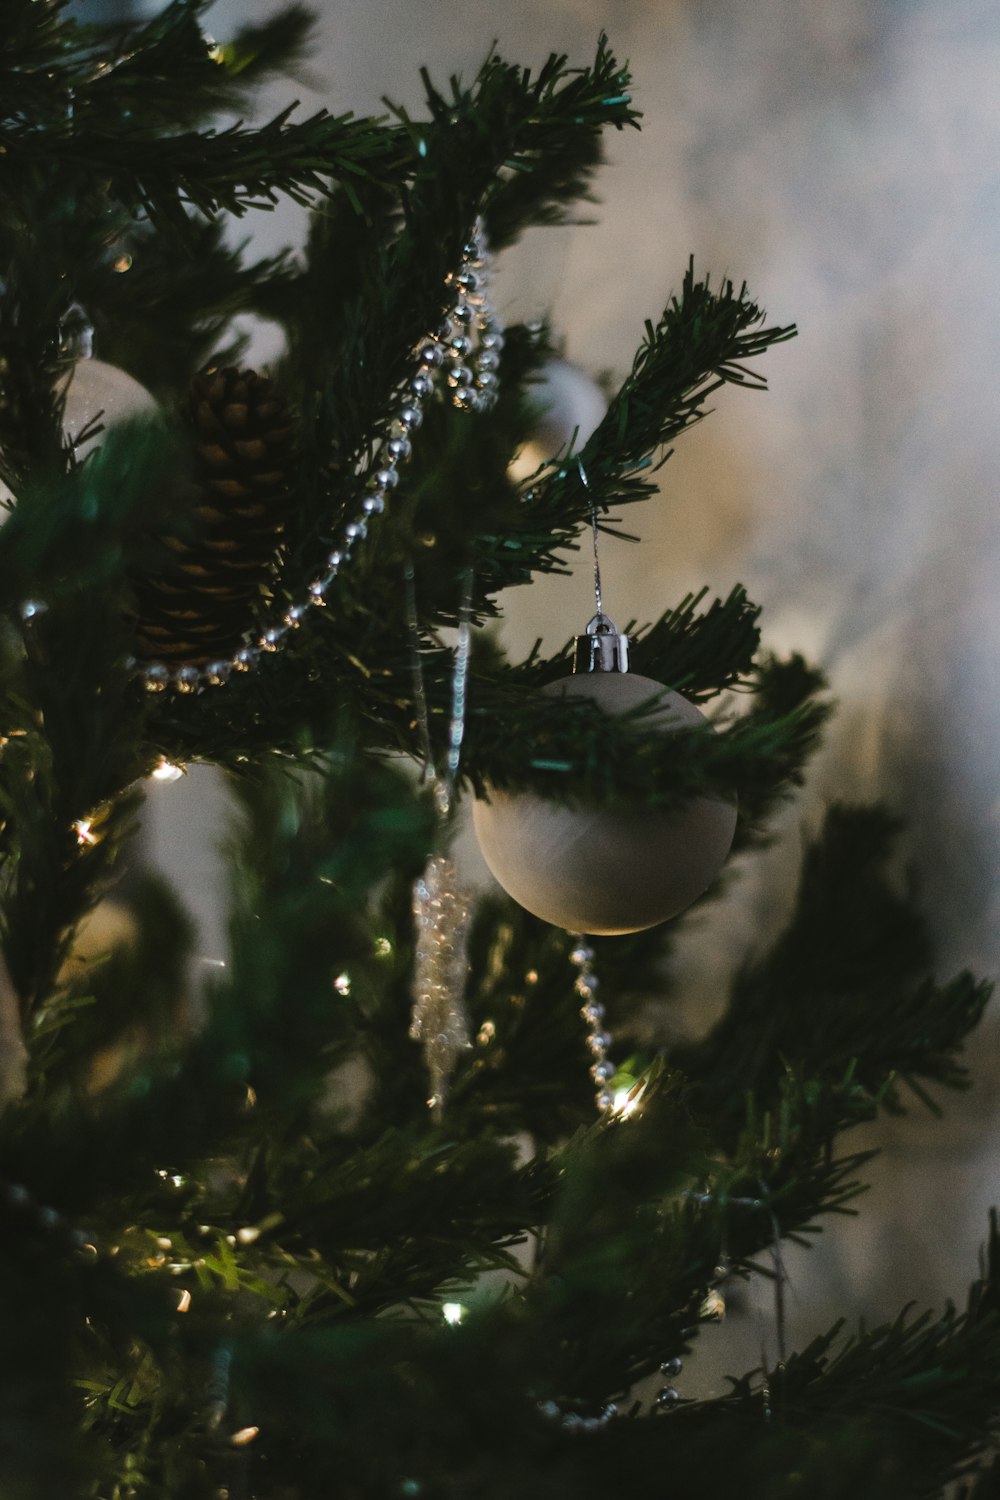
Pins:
x: 233, y: 518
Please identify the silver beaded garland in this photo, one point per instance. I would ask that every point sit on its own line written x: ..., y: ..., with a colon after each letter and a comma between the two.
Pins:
x: 602, y: 1069
x: 39, y: 1216
x: 461, y: 357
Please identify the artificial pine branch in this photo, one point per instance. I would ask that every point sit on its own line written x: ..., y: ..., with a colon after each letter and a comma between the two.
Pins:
x: 270, y: 1264
x: 843, y: 986
x: 169, y: 314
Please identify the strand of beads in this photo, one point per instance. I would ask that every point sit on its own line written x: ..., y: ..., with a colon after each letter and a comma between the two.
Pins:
x: 462, y: 357
x: 21, y: 1205
x: 576, y: 1421
x: 602, y: 1069
x: 471, y: 335
x: 668, y: 1395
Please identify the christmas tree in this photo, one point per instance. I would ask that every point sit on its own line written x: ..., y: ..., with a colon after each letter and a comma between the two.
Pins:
x: 283, y: 1250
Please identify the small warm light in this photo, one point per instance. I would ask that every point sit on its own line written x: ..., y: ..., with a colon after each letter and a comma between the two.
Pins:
x: 123, y: 263
x: 626, y: 1102
x: 185, y: 1301
x: 487, y: 1032
x: 526, y: 463
x: 453, y: 1313
x: 531, y: 977
x: 714, y: 1305
x: 244, y: 1437
x: 248, y: 1234
x: 342, y: 984
x: 383, y: 947
x: 83, y: 830
x: 165, y: 770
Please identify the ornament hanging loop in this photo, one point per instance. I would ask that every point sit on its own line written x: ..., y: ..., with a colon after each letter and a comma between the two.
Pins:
x: 597, y: 556
x: 603, y: 648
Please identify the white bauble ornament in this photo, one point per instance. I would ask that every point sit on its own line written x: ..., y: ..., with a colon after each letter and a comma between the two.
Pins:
x: 100, y: 394
x: 603, y: 872
x: 570, y: 406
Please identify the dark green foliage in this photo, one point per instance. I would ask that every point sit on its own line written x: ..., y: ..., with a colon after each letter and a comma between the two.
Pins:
x: 843, y: 988
x: 226, y: 1237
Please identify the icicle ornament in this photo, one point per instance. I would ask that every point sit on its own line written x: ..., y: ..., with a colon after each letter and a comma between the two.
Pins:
x: 441, y: 910
x: 441, y: 913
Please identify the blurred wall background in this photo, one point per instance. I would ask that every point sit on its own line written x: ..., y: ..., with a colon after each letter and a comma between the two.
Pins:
x: 843, y: 160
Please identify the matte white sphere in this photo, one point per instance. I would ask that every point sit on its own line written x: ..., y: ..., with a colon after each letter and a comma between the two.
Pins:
x: 603, y: 872
x: 102, y: 393
x: 568, y: 402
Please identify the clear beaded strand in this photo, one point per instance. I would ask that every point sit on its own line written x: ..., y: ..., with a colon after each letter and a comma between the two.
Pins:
x: 602, y: 1069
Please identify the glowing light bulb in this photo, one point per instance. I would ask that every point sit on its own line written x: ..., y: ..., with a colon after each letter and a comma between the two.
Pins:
x: 624, y: 1103
x: 714, y: 1305
x: 83, y: 830
x: 453, y: 1313
x: 185, y: 1301
x: 165, y: 770
x: 244, y: 1437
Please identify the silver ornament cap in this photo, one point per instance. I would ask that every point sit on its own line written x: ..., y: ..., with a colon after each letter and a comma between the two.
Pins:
x: 602, y: 649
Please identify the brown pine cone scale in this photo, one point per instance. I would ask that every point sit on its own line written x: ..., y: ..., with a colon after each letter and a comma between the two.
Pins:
x: 221, y: 543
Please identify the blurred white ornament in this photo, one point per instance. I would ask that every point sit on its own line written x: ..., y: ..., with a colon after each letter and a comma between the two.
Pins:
x: 100, y: 395
x: 97, y: 395
x: 608, y: 872
x: 570, y: 406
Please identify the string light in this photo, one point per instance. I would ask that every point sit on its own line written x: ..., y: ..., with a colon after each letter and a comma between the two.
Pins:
x: 83, y: 828
x: 626, y: 1102
x: 165, y: 770
x: 184, y: 1302
x: 453, y: 1313
x: 244, y: 1437
x: 714, y: 1305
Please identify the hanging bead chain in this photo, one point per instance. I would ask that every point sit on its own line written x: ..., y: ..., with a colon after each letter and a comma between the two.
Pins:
x: 20, y: 1204
x: 462, y: 356
x: 602, y: 1069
